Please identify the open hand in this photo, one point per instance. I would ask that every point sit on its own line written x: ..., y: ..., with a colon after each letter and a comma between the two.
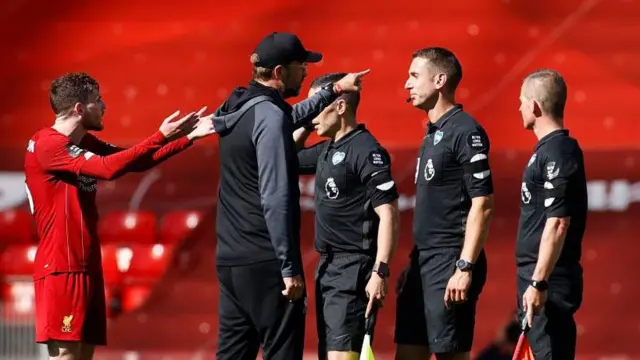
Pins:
x: 188, y: 126
x: 171, y: 127
x: 203, y: 128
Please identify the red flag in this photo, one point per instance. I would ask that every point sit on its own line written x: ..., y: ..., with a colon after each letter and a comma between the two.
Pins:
x: 523, y: 350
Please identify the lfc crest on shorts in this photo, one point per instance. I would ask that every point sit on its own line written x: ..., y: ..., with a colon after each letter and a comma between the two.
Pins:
x: 66, y: 324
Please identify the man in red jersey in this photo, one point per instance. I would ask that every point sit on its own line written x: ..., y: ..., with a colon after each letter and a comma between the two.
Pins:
x: 62, y: 166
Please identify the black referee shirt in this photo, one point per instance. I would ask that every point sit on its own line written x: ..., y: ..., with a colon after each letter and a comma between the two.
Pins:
x: 553, y: 185
x: 452, y: 168
x: 352, y: 177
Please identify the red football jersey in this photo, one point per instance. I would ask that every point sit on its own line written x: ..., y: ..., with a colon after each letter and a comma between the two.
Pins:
x: 61, y: 181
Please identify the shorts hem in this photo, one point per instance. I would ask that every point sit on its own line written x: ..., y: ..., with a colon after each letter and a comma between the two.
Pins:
x: 93, y: 343
x: 348, y: 343
x: 343, y: 348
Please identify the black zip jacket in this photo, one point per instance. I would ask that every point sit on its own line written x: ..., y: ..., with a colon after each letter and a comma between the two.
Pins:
x: 258, y: 216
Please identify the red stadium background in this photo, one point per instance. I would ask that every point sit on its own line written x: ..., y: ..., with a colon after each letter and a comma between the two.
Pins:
x: 154, y: 58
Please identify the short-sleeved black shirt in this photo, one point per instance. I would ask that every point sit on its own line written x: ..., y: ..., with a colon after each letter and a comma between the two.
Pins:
x: 553, y: 185
x: 352, y: 178
x: 452, y: 168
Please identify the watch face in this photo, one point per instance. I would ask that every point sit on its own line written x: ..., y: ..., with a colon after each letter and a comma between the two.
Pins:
x: 382, y: 270
x: 540, y: 285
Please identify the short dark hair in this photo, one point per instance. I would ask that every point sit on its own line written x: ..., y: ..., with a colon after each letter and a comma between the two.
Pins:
x: 549, y: 89
x: 69, y: 89
x: 445, y: 61
x: 352, y: 98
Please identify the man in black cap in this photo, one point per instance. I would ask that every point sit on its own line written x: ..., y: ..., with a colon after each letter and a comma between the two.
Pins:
x: 262, y: 299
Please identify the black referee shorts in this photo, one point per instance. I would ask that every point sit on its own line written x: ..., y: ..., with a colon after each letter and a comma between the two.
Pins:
x: 253, y: 312
x: 553, y: 333
x: 341, y: 301
x: 411, y: 326
x: 449, y: 330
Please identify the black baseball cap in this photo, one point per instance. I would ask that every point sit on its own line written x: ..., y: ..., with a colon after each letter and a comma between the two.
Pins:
x: 281, y: 48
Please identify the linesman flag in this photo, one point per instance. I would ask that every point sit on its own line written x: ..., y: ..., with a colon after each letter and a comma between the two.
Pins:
x: 523, y: 350
x: 367, y: 352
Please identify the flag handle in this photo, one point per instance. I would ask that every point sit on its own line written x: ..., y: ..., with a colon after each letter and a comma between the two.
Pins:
x: 370, y: 322
x: 524, y: 326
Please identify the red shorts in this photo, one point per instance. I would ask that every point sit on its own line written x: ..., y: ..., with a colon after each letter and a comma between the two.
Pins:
x: 71, y: 307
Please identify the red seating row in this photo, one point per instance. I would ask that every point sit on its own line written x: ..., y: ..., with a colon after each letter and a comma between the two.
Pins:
x: 136, y: 249
x: 117, y: 227
x: 130, y: 263
x: 17, y: 298
x: 129, y: 272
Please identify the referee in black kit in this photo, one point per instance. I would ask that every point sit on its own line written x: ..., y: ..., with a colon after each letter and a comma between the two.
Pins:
x: 454, y: 205
x: 553, y: 214
x: 357, y: 221
x: 262, y: 298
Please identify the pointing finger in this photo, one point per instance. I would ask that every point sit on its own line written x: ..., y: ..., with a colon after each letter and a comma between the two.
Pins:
x: 201, y: 111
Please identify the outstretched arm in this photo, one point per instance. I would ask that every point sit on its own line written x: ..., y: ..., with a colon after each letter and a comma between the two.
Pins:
x: 57, y: 154
x: 143, y: 163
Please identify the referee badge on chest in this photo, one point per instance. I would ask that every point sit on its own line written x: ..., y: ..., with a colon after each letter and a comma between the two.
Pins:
x: 337, y: 157
x: 437, y: 137
x: 331, y: 188
x: 429, y: 170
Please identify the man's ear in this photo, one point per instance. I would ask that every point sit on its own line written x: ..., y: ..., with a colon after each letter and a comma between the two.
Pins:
x: 279, y: 72
x: 536, y: 108
x: 78, y: 109
x: 341, y: 106
x: 440, y: 80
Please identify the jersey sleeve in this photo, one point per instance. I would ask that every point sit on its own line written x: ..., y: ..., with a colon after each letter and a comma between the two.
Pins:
x: 144, y: 163
x: 308, y: 158
x: 472, y: 152
x: 56, y: 154
x: 557, y: 171
x: 374, y: 169
x: 99, y: 147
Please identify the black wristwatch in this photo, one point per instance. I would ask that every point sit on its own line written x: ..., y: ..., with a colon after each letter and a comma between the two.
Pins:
x: 382, y: 269
x: 540, y: 285
x: 464, y: 265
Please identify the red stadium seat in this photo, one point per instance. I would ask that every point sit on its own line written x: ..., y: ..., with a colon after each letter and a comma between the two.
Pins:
x: 133, y: 227
x: 147, y: 263
x: 16, y: 227
x: 19, y: 302
x: 17, y: 261
x: 175, y: 226
x: 134, y: 295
